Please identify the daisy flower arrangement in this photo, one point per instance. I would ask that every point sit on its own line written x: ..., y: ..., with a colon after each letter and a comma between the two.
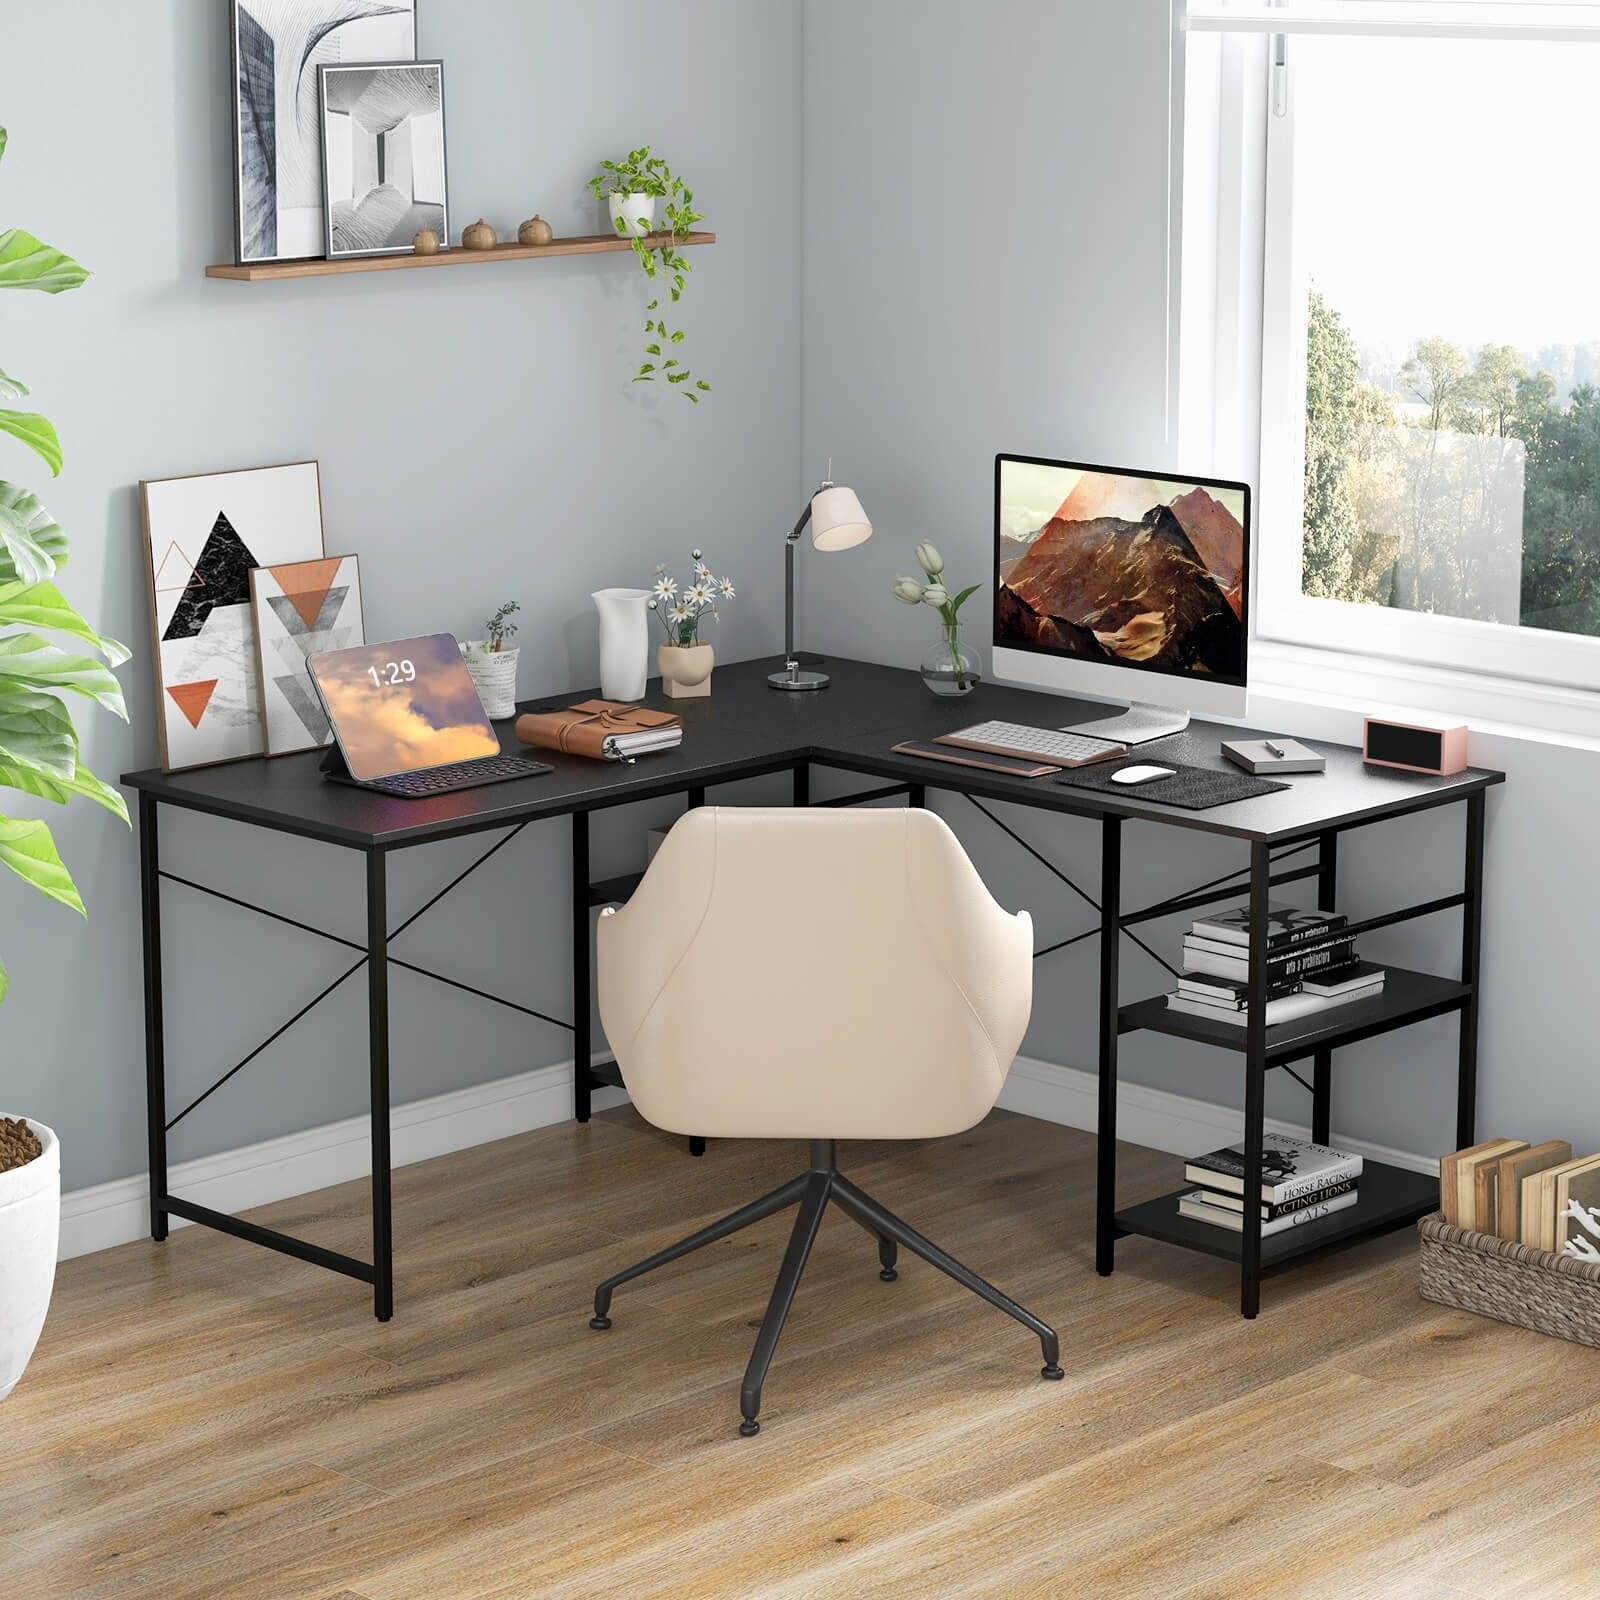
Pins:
x: 681, y: 609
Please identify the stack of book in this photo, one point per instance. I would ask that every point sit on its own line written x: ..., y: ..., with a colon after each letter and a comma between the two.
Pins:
x: 1299, y: 1182
x: 1312, y: 966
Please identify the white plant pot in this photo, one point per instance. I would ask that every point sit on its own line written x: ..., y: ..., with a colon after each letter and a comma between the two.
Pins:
x: 624, y: 642
x: 494, y: 676
x: 636, y: 212
x: 686, y: 669
x: 30, y: 1226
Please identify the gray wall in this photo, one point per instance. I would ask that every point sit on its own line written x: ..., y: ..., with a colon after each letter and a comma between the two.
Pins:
x: 986, y: 203
x: 478, y: 440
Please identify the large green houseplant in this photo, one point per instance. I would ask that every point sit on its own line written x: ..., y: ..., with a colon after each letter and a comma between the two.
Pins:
x: 38, y: 743
x: 39, y: 758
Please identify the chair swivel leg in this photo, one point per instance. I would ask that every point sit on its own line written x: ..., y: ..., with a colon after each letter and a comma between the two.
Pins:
x: 812, y: 1205
x: 847, y: 1194
x: 888, y: 1251
x: 732, y: 1223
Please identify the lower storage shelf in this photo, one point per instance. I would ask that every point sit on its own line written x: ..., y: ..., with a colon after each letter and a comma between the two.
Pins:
x: 1388, y: 1198
x: 608, y: 1075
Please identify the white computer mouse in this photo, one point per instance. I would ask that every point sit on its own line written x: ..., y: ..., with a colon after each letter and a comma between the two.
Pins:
x: 1142, y: 774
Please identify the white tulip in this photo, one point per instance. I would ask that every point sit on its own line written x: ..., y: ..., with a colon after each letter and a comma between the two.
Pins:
x: 908, y: 590
x: 929, y: 559
x: 934, y: 595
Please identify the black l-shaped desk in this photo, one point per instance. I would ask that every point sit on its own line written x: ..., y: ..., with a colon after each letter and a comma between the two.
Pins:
x: 746, y: 730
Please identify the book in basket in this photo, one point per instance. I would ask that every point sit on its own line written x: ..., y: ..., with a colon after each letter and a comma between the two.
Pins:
x: 1290, y: 1167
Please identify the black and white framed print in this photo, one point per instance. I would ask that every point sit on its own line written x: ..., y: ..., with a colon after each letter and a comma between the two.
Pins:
x: 278, y: 45
x: 382, y: 156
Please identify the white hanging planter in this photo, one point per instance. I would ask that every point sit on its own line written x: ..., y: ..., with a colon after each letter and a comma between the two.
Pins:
x: 30, y: 1227
x: 494, y: 676
x: 637, y: 212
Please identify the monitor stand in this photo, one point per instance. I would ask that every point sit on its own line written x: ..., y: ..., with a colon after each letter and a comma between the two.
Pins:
x: 1139, y: 724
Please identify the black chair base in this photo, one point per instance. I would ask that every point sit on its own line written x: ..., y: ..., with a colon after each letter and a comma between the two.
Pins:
x: 812, y: 1191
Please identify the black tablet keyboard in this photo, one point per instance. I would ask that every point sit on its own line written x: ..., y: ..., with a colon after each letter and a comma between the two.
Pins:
x: 460, y: 775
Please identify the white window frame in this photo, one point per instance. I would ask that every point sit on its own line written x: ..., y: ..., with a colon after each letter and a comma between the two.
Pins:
x: 1253, y: 423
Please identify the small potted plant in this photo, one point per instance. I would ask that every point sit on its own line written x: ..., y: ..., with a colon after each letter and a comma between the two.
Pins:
x: 685, y: 658
x: 632, y: 188
x: 493, y: 667
x: 951, y: 668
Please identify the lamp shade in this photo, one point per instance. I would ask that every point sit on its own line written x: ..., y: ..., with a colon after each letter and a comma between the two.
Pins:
x: 837, y: 520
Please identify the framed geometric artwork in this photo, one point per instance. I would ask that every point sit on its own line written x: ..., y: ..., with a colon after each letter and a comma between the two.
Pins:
x: 301, y: 608
x: 203, y: 535
x: 382, y: 156
x: 277, y: 132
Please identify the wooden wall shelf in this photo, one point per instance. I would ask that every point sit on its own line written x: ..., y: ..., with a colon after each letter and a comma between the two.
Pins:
x: 589, y: 244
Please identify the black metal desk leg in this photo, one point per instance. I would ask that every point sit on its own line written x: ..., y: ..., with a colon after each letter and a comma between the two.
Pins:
x: 802, y: 785
x: 378, y: 1026
x: 1471, y: 949
x: 1255, y: 1082
x: 155, y: 1045
x: 1322, y: 1061
x: 582, y: 997
x: 1105, y: 1229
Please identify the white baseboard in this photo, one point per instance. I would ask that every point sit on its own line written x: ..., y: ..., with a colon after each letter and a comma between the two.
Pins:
x: 1155, y: 1118
x: 279, y: 1169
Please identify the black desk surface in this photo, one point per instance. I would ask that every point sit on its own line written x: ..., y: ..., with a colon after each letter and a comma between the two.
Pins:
x: 746, y: 728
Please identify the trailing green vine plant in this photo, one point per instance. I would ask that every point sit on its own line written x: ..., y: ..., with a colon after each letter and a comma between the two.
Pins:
x: 38, y: 742
x: 658, y: 254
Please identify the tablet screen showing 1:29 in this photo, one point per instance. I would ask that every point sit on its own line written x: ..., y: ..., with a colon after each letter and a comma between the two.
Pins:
x: 392, y: 674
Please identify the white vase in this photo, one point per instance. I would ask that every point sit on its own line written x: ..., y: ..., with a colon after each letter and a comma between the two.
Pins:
x: 624, y: 642
x: 636, y: 212
x: 494, y: 676
x: 30, y: 1226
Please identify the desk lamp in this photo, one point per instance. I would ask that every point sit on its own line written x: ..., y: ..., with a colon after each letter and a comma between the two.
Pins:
x: 837, y: 522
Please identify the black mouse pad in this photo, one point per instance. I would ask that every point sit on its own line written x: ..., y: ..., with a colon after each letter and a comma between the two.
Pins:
x: 1189, y: 788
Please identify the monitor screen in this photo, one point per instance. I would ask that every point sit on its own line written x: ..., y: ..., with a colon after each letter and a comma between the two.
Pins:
x: 403, y: 706
x: 1115, y: 568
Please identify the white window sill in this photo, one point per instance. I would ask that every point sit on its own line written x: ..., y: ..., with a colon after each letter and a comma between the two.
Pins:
x: 1338, y: 689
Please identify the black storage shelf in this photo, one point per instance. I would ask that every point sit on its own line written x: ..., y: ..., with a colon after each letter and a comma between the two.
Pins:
x: 605, y: 1075
x: 1388, y: 1197
x: 1407, y: 997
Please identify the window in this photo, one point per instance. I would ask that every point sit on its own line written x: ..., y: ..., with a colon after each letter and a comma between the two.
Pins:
x: 1429, y: 394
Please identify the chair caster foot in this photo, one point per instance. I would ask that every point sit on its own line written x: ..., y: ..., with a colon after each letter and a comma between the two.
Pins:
x: 749, y: 1428
x: 1051, y: 1372
x: 601, y: 1323
x: 888, y: 1274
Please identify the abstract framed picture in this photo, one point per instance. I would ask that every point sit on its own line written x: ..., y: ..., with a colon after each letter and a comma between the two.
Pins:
x: 301, y: 608
x: 278, y: 45
x: 383, y: 170
x: 203, y: 535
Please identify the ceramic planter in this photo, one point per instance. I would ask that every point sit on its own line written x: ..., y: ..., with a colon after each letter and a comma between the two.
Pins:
x: 30, y: 1226
x: 624, y: 642
x: 685, y: 669
x: 637, y: 212
x: 494, y: 676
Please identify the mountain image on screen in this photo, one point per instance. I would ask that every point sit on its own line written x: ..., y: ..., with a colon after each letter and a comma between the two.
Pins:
x: 1160, y: 591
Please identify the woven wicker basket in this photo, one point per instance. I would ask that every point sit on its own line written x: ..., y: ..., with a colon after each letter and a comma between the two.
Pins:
x: 1518, y: 1283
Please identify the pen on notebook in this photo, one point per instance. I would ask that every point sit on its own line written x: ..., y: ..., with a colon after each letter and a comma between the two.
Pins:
x: 1273, y: 749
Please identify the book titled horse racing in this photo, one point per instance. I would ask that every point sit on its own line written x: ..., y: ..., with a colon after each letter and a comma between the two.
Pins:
x: 1286, y: 926
x: 1316, y: 1197
x: 1290, y: 1167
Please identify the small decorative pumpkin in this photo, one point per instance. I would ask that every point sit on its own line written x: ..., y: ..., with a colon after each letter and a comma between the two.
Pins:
x: 478, y: 236
x: 535, y: 231
x: 426, y: 242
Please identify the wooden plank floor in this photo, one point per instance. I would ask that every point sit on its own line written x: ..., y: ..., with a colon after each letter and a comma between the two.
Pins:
x: 207, y: 1420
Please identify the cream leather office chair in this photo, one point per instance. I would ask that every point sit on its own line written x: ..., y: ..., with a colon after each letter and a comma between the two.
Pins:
x: 821, y: 975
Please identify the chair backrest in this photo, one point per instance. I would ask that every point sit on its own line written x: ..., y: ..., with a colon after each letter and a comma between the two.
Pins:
x: 826, y: 973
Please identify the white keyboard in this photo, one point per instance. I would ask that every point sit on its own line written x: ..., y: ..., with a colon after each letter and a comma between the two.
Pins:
x: 1041, y: 744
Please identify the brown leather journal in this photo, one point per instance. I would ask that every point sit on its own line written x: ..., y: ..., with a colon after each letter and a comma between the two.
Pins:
x: 598, y: 729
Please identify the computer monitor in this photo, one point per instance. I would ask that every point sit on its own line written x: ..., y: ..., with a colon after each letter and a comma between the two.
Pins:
x: 1124, y: 584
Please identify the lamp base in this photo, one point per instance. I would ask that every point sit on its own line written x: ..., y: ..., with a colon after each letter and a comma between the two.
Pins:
x: 793, y: 678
